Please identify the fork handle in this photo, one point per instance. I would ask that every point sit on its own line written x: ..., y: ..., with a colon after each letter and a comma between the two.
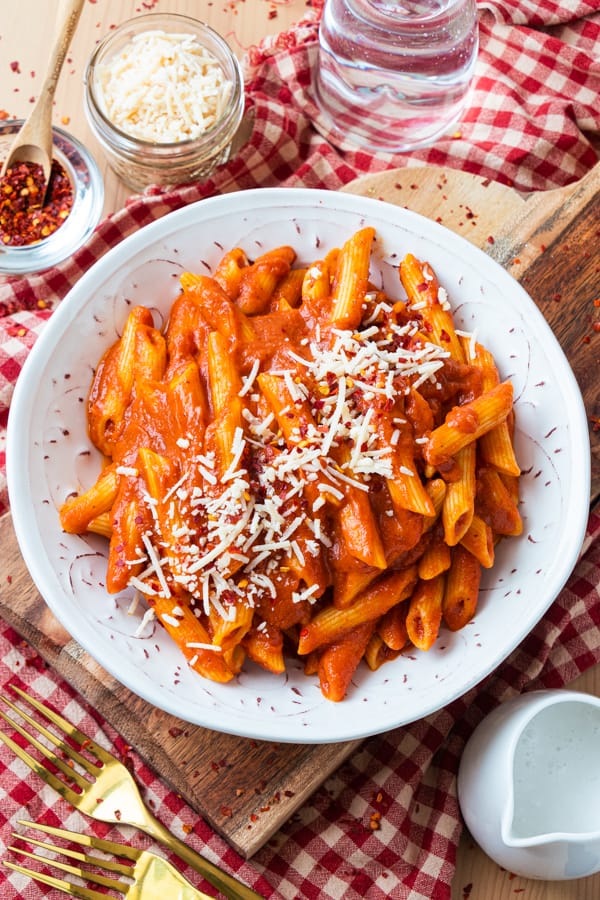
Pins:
x: 227, y: 884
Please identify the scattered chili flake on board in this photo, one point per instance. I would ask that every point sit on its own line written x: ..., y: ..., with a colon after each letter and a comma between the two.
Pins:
x: 23, y: 219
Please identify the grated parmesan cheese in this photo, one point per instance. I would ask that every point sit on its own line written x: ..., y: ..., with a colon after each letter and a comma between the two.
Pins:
x: 163, y: 88
x: 224, y: 534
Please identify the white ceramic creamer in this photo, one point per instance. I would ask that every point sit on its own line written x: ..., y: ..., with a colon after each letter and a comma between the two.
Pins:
x: 529, y: 785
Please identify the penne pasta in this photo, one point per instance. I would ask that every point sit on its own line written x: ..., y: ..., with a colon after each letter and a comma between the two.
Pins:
x: 466, y: 423
x: 462, y: 589
x: 338, y: 662
x: 300, y: 465
x: 351, y: 279
x: 331, y: 623
x: 459, y: 502
x: 424, y: 615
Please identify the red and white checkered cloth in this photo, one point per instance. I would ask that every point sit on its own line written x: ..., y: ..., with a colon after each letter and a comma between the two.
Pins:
x: 534, y: 123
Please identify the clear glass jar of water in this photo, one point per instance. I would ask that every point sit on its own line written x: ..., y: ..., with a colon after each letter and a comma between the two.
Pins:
x: 394, y: 75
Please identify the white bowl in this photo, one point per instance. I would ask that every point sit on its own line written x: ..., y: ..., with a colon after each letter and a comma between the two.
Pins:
x: 49, y: 457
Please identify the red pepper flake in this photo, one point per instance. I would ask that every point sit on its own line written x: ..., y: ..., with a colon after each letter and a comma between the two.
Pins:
x: 374, y: 821
x: 467, y: 890
x: 65, y: 120
x: 272, y: 14
x: 15, y: 67
x: 490, y: 239
x: 596, y: 326
x: 226, y: 811
x: 23, y: 219
x: 187, y: 829
x: 3, y: 114
x: 175, y: 732
x: 118, y: 815
x: 9, y: 579
x: 253, y: 817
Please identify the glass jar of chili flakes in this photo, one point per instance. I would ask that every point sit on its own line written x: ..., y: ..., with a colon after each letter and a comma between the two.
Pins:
x: 36, y: 235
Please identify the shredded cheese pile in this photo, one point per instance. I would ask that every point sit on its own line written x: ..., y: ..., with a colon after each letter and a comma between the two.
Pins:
x: 163, y: 88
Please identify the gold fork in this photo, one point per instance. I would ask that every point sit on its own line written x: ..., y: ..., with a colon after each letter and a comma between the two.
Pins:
x: 151, y: 874
x: 110, y: 793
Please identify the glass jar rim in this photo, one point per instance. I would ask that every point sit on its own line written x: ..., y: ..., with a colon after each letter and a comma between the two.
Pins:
x: 234, y: 106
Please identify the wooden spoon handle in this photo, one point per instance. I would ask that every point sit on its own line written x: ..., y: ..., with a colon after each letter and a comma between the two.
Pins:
x: 37, y: 130
x: 70, y: 12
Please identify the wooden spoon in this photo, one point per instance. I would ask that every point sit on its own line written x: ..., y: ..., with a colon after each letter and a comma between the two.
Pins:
x: 33, y: 143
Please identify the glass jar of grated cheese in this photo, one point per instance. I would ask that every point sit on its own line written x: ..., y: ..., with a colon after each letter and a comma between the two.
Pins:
x: 164, y: 96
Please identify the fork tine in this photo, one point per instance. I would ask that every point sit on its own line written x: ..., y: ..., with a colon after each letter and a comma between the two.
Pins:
x: 87, y: 840
x: 59, y: 786
x: 109, y: 864
x: 60, y: 745
x: 110, y: 883
x: 74, y: 890
x: 65, y: 768
x: 65, y: 726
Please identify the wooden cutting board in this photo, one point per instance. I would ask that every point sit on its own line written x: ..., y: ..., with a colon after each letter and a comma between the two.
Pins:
x: 247, y: 789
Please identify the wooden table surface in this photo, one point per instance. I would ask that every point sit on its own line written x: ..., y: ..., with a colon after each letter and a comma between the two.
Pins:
x: 25, y: 27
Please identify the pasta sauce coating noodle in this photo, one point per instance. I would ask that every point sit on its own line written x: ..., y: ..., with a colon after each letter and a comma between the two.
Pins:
x: 300, y: 465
